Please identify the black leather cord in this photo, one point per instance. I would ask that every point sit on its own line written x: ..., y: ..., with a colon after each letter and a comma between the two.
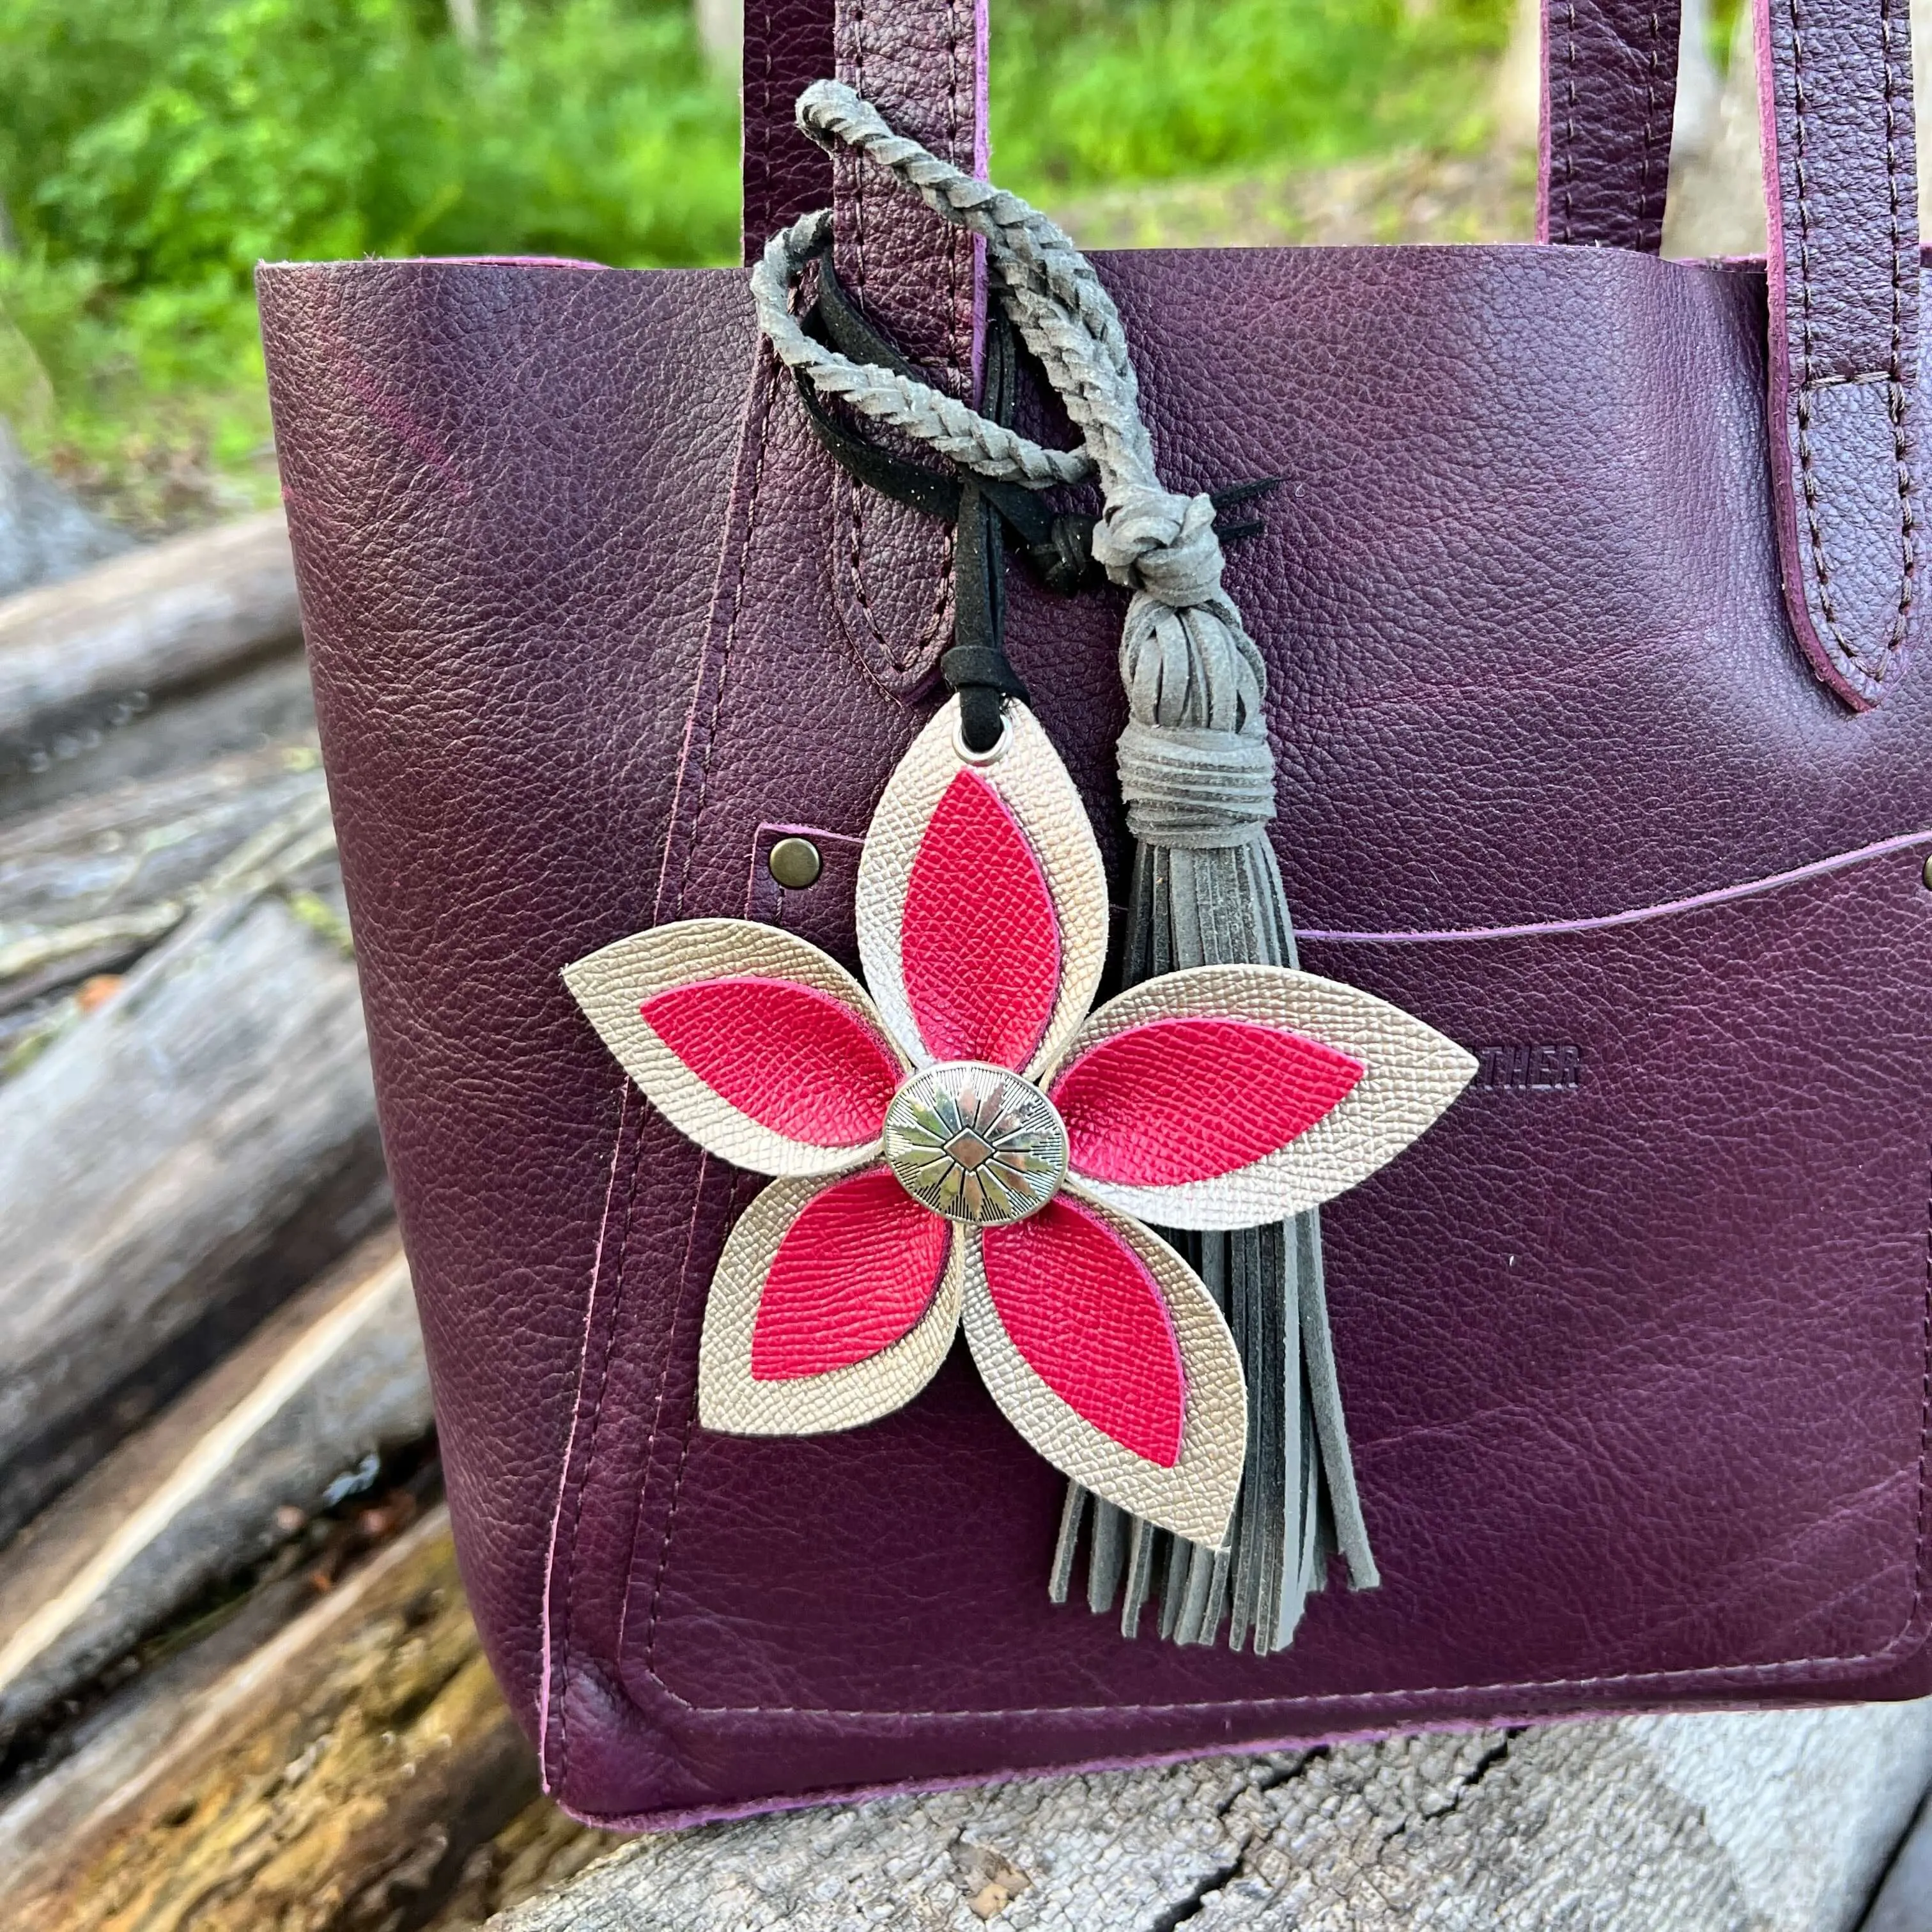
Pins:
x: 976, y: 666
x: 1059, y: 544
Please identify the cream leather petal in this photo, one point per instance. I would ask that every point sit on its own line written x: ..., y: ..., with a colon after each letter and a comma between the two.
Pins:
x: 612, y: 985
x: 1195, y: 1497
x: 731, y: 1400
x: 1034, y: 787
x: 1412, y: 1073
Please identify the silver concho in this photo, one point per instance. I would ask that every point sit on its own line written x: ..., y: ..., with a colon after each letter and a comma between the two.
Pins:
x: 975, y: 1143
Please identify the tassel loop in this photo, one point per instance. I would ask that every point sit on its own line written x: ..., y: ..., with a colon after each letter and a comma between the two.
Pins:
x: 1194, y: 790
x: 1196, y: 770
x: 1162, y: 544
x: 1196, y: 669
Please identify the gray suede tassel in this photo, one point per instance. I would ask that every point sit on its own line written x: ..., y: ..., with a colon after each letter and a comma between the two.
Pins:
x: 1198, y: 776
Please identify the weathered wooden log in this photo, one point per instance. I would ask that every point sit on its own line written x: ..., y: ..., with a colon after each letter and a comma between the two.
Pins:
x: 335, y: 1781
x: 311, y: 1787
x: 1775, y: 1822
x: 45, y: 535
x: 86, y: 654
x: 182, y: 1159
x: 260, y: 705
x: 88, y: 886
x: 55, y: 1784
x: 334, y: 1380
x: 1904, y: 1902
x: 540, y: 1849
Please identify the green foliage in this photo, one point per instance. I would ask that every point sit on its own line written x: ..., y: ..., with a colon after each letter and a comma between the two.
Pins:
x: 166, y: 142
x: 1090, y: 91
x: 152, y: 151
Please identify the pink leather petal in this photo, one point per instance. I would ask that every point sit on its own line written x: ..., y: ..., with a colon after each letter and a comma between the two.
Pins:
x: 1176, y: 1100
x: 852, y: 1275
x: 1082, y: 1307
x: 980, y: 939
x: 795, y: 1060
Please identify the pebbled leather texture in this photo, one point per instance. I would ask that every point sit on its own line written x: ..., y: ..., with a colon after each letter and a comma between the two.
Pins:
x: 1530, y: 666
x: 1189, y: 1099
x: 1410, y: 1073
x: 922, y: 63
x: 978, y: 939
x: 1529, y: 663
x: 1087, y: 1314
x: 1609, y: 86
x: 761, y: 1375
x: 1038, y: 799
x: 1835, y: 81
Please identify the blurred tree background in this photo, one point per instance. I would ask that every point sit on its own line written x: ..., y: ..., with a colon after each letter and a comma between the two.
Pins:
x: 152, y: 151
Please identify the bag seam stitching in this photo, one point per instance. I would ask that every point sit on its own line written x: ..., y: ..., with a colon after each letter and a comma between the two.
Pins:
x: 590, y: 1451
x: 763, y: 424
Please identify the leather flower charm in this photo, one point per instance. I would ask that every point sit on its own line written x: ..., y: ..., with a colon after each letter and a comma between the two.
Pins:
x: 969, y: 1144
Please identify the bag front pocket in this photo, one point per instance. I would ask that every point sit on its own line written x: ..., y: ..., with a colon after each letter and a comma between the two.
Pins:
x: 1632, y: 1346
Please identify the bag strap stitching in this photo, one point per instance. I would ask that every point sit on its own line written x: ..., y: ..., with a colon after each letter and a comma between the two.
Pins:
x: 1569, y: 113
x: 1874, y: 672
x: 852, y: 505
x: 1645, y: 191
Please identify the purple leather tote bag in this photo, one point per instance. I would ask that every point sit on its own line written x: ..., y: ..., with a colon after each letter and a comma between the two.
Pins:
x: 1587, y: 599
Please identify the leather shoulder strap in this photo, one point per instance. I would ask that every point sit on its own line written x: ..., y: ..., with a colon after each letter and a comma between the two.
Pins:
x: 1609, y: 87
x: 788, y: 45
x: 1834, y: 80
x: 1610, y: 84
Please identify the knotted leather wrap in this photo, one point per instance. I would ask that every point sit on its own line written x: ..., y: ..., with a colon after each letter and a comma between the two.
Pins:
x: 1196, y: 770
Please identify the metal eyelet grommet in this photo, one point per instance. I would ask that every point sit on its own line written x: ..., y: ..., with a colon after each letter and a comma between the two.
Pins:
x: 997, y: 750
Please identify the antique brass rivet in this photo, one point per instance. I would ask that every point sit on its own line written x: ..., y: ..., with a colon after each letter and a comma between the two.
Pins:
x: 795, y: 863
x: 1926, y: 875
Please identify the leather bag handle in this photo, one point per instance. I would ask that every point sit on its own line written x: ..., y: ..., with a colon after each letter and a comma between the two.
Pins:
x: 788, y: 45
x: 1609, y: 88
x: 1834, y: 80
x: 1835, y: 85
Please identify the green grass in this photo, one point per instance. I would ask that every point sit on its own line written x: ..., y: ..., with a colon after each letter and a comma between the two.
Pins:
x: 152, y: 151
